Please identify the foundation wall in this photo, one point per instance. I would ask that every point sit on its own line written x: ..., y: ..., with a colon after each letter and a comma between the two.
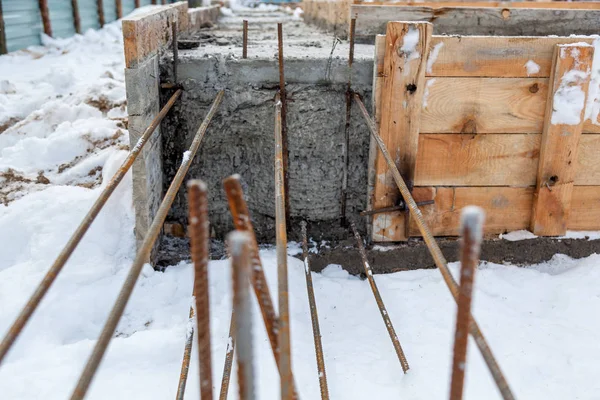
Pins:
x: 240, y: 139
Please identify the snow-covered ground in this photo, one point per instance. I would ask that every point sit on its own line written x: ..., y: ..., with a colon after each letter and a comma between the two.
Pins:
x: 65, y: 104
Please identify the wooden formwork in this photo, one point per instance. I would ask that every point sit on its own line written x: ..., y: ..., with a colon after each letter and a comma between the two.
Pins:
x: 527, y: 18
x: 472, y: 120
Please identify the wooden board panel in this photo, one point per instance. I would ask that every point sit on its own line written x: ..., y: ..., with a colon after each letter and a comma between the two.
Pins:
x: 588, y: 169
x: 580, y: 5
x: 560, y: 141
x: 477, y: 160
x: 484, y: 105
x: 491, y: 56
x: 403, y: 86
x: 585, y: 209
x: 507, y: 209
x: 148, y: 33
x: 496, y: 21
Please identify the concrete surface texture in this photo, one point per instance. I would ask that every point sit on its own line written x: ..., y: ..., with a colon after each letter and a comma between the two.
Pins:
x: 241, y: 137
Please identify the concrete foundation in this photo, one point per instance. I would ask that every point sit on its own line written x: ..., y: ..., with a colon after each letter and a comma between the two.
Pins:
x: 241, y: 137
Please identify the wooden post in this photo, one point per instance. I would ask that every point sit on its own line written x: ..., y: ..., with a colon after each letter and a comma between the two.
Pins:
x: 45, y: 17
x: 76, y: 17
x: 119, y: 7
x: 406, y: 51
x: 3, y: 47
x: 100, y: 6
x: 563, y: 123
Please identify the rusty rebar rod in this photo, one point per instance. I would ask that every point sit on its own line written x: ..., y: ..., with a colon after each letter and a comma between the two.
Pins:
x: 100, y: 10
x: 187, y: 354
x: 242, y: 222
x: 471, y: 232
x: 379, y: 300
x: 347, y: 125
x: 39, y: 293
x: 119, y: 9
x: 284, y: 130
x: 142, y: 255
x: 76, y: 16
x: 45, y: 14
x: 239, y: 246
x: 314, y: 317
x: 284, y: 341
x: 199, y: 248
x: 438, y: 257
x: 245, y: 39
x: 228, y: 359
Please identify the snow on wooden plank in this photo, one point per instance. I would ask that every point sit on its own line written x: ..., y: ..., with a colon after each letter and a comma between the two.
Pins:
x: 563, y: 124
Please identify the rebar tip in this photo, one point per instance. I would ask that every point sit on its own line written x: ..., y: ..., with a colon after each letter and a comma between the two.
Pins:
x: 233, y: 178
x: 472, y: 218
x: 197, y: 183
x: 236, y: 241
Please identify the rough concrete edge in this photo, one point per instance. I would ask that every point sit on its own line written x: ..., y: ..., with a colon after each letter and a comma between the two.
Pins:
x: 201, y: 17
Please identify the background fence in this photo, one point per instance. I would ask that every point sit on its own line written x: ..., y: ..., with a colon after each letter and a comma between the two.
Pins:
x: 23, y: 21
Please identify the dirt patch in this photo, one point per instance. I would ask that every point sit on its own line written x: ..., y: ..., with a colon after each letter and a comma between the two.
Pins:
x: 8, y: 124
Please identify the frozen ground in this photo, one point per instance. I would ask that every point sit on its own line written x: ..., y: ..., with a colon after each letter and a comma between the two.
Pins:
x: 541, y: 321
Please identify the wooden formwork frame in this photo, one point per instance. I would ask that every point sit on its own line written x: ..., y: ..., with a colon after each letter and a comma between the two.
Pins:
x: 482, y: 18
x: 470, y: 123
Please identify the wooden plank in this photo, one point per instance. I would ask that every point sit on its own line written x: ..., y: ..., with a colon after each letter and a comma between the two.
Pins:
x: 588, y: 167
x: 484, y: 105
x: 146, y: 34
x: 563, y: 125
x: 492, y: 56
x: 407, y: 45
x: 477, y: 160
x: 580, y: 5
x: 507, y: 208
x: 585, y: 209
x: 495, y: 21
x: 45, y: 13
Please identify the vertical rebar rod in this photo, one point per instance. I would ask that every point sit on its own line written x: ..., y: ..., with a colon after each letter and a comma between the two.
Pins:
x: 239, y: 247
x: 285, y: 366
x: 146, y: 247
x: 137, y: 4
x: 39, y: 293
x: 199, y: 248
x: 438, y: 257
x: 379, y: 300
x: 284, y: 130
x: 471, y: 232
x: 175, y: 51
x: 242, y: 222
x: 228, y: 359
x: 245, y: 39
x: 187, y: 354
x: 3, y: 47
x: 76, y: 17
x: 314, y: 316
x: 347, y: 125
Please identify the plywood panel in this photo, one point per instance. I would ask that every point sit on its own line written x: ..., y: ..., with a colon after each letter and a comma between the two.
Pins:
x: 585, y: 209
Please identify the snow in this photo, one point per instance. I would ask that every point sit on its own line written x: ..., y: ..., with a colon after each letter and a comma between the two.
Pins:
x: 63, y: 111
x: 569, y: 98
x: 433, y: 56
x: 409, y: 47
x: 517, y: 235
x: 532, y: 68
x: 186, y: 156
x: 592, y: 109
x: 430, y: 82
x: 472, y: 218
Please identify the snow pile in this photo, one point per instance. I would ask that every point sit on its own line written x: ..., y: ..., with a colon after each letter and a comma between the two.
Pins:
x: 409, y: 44
x: 63, y: 115
x: 569, y: 98
x: 517, y: 235
x: 592, y: 109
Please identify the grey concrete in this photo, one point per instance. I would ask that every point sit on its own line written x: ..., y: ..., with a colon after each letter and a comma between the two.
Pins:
x: 143, y: 104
